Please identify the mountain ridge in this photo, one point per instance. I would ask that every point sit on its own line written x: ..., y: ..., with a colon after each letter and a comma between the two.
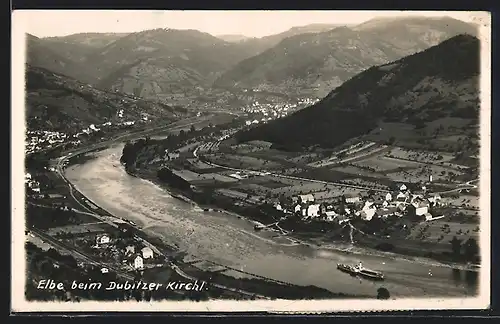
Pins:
x: 329, y: 58
x: 416, y: 90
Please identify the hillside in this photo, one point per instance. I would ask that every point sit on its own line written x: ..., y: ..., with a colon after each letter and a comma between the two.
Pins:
x: 57, y: 102
x: 78, y: 46
x: 438, y: 86
x: 41, y: 54
x: 316, y: 63
x: 256, y: 45
x: 92, y: 40
x: 158, y: 63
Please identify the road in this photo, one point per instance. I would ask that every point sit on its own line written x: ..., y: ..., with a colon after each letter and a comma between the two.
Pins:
x: 278, y: 175
x: 106, y: 219
x: 460, y: 187
x: 77, y: 254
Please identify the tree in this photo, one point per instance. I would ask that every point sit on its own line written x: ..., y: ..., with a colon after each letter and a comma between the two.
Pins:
x: 192, y: 129
x: 383, y: 293
x: 456, y: 246
x: 471, y: 249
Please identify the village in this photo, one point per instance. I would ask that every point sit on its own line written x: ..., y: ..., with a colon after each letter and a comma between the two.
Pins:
x: 400, y: 203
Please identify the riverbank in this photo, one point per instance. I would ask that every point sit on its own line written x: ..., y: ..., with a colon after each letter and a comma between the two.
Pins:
x: 249, y: 285
x: 364, y: 244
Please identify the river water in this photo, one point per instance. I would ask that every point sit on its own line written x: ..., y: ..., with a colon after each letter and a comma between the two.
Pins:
x: 231, y: 241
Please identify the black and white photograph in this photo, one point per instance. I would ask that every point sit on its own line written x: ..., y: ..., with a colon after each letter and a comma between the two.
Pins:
x: 285, y: 161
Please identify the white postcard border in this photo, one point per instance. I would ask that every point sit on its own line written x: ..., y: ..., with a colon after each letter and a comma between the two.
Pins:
x: 19, y: 304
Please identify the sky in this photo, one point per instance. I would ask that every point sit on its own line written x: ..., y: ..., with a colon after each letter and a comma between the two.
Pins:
x: 45, y: 23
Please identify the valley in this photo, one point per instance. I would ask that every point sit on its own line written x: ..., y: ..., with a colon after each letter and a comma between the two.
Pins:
x: 255, y: 165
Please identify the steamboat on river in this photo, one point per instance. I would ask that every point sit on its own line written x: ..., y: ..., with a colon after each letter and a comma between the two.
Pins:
x: 360, y: 270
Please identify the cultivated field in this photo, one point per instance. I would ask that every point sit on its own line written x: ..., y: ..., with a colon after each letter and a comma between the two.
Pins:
x: 443, y: 231
x: 383, y: 163
x: 356, y: 171
x: 244, y: 162
x: 88, y: 228
x: 423, y: 174
x: 419, y: 156
x: 193, y: 176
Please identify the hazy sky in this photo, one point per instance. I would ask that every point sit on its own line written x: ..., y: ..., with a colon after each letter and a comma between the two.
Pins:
x: 43, y: 23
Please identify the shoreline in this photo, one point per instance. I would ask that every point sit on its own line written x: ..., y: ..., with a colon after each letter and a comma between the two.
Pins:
x: 174, y: 250
x: 347, y: 248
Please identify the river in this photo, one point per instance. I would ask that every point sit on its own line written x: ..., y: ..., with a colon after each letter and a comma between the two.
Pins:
x: 231, y: 241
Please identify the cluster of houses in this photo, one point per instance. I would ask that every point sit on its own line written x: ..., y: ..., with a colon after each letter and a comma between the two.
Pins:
x: 133, y: 255
x: 33, y: 184
x: 38, y: 140
x: 399, y: 203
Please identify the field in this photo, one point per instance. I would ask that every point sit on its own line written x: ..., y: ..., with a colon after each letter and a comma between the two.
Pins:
x: 87, y: 228
x: 308, y: 187
x: 366, y: 183
x: 443, y: 231
x: 420, y: 156
x: 356, y: 171
x: 383, y: 163
x: 423, y: 174
x: 244, y: 162
x: 193, y: 176
x: 462, y: 200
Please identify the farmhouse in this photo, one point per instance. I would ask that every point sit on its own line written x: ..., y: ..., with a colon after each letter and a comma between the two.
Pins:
x: 130, y: 249
x: 313, y: 210
x: 420, y: 208
x: 306, y: 198
x: 147, y: 253
x: 367, y: 214
x: 330, y: 215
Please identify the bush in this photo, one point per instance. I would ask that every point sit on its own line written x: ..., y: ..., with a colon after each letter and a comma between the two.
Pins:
x: 383, y: 293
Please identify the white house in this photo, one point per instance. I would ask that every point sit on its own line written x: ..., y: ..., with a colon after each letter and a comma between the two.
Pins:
x: 103, y: 239
x: 421, y: 208
x: 313, y: 210
x: 368, y: 204
x: 306, y: 198
x: 130, y: 249
x: 330, y: 215
x: 138, y: 262
x: 388, y: 197
x: 368, y: 213
x: 403, y: 187
x: 147, y: 253
x: 297, y: 208
x: 104, y: 270
x: 278, y: 207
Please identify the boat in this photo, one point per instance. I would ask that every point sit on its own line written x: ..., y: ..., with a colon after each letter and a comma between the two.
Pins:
x: 360, y: 270
x: 347, y: 268
x: 371, y: 274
